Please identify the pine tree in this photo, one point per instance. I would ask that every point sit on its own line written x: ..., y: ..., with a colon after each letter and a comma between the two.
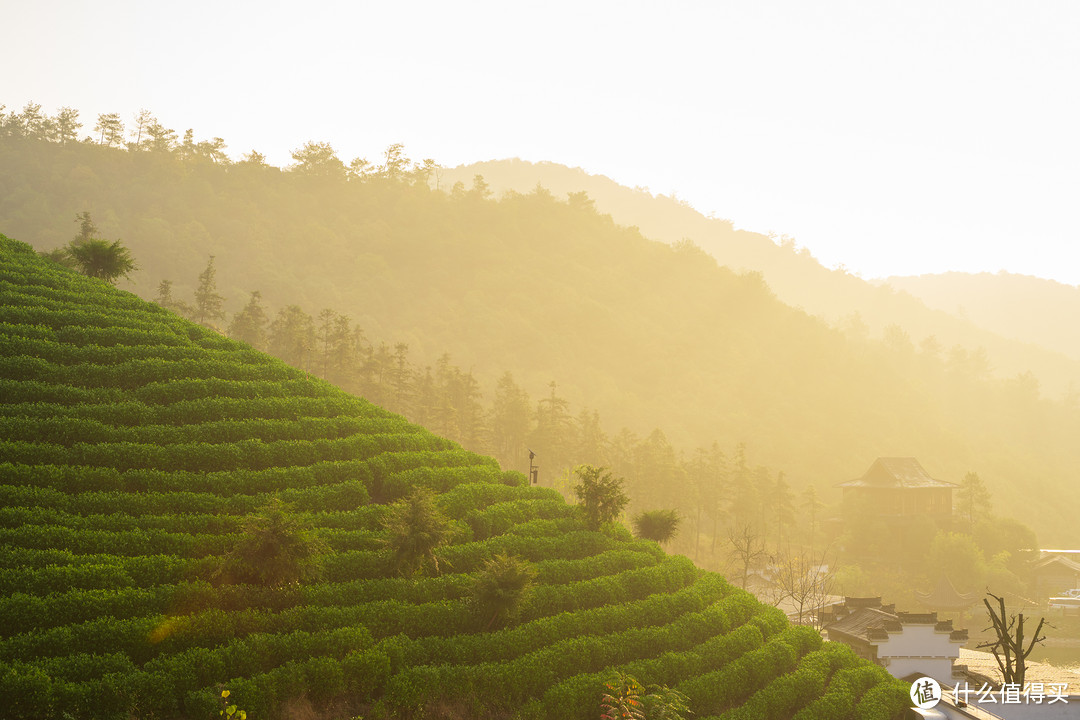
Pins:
x: 510, y: 423
x: 415, y: 528
x: 250, y: 324
x: 208, y: 303
x: 111, y: 128
x: 166, y: 300
x: 974, y: 498
x: 292, y: 337
x: 601, y: 495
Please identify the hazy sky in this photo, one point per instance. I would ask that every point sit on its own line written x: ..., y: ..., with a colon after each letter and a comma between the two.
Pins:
x: 895, y: 138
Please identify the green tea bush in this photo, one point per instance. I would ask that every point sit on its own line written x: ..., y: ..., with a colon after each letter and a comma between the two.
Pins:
x: 498, y: 518
x: 843, y: 691
x: 886, y: 699
x: 531, y: 674
x: 366, y: 673
x: 14, y: 390
x: 561, y: 572
x: 673, y: 574
x: 475, y: 496
x: 717, y: 691
x: 508, y: 643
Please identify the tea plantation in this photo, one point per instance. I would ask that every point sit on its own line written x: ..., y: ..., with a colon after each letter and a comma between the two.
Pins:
x: 134, y: 447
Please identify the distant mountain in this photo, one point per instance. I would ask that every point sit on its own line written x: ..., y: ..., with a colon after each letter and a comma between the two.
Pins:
x: 799, y: 279
x: 1021, y: 307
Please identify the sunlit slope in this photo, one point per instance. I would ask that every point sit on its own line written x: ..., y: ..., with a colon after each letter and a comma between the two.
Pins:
x: 996, y: 319
x: 1026, y: 308
x: 647, y: 335
x: 134, y: 443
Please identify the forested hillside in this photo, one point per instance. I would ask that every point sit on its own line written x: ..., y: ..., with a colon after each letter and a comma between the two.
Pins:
x: 646, y: 335
x: 1029, y: 309
x: 182, y: 517
x: 1018, y: 336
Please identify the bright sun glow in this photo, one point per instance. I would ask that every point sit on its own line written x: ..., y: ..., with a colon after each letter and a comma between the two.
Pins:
x: 892, y: 138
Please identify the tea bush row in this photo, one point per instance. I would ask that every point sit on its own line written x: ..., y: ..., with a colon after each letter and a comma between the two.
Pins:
x: 357, y: 677
x: 844, y: 690
x: 573, y: 545
x: 560, y: 572
x: 371, y: 472
x: 511, y: 642
x: 789, y: 693
x: 342, y: 505
x: 499, y: 518
x: 215, y: 457
x: 35, y: 286
x: 532, y: 674
x: 143, y: 571
x: 670, y: 575
x: 720, y: 690
x: 29, y: 391
x: 576, y: 697
x: 466, y: 497
x: 130, y: 543
x: 134, y: 374
x: 70, y: 430
x: 63, y: 352
x: 160, y: 694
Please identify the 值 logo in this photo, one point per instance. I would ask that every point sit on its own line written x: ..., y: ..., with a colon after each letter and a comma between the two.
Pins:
x: 925, y: 692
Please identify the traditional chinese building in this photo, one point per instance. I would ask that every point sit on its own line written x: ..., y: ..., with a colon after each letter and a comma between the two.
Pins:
x: 900, y: 487
x: 945, y: 598
x: 903, y: 643
x: 1055, y: 572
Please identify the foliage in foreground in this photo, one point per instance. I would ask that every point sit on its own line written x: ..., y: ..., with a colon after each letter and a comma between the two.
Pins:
x: 624, y: 698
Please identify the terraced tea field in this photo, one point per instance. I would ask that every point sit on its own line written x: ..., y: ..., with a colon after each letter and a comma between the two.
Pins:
x: 134, y: 449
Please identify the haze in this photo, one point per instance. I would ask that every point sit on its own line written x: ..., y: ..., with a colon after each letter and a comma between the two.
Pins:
x: 894, y: 138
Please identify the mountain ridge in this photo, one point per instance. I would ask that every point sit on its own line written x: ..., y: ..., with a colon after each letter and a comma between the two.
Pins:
x: 796, y: 277
x: 650, y: 335
x: 1023, y: 307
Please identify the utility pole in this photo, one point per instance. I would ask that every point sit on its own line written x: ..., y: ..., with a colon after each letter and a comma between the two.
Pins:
x: 534, y: 470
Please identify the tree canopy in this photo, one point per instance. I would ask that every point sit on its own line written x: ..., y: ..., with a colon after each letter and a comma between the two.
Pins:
x: 274, y: 549
x: 501, y: 589
x: 601, y: 495
x: 415, y: 527
x: 108, y: 261
x: 658, y: 525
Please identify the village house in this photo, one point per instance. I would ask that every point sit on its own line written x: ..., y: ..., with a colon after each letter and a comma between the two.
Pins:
x: 912, y: 646
x: 1055, y: 572
x: 903, y: 643
x: 899, y: 487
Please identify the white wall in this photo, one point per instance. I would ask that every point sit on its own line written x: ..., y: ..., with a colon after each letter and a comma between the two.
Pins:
x: 919, y: 649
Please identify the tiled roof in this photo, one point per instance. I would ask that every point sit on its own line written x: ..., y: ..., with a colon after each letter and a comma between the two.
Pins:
x: 1064, y: 562
x: 874, y: 624
x: 898, y: 472
x: 861, y: 622
x: 857, y: 602
x: 918, y: 618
